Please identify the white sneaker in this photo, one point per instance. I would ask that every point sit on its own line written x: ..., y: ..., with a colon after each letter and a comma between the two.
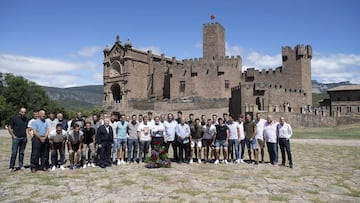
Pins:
x: 216, y: 162
x: 53, y: 168
x: 62, y: 167
x: 237, y: 161
x: 242, y: 161
x: 92, y: 165
x: 199, y: 161
x: 225, y: 161
x: 118, y: 162
x: 191, y: 161
x: 123, y: 162
x: 84, y: 166
x: 88, y: 164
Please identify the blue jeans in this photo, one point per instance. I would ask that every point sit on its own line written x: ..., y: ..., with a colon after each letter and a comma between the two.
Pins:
x: 242, y: 144
x: 273, y: 152
x: 18, y: 145
x: 132, y: 146
x: 233, y: 142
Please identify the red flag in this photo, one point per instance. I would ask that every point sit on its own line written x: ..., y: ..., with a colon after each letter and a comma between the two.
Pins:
x: 212, y: 17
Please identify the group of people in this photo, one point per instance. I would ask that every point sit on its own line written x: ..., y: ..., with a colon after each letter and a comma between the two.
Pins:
x: 119, y: 139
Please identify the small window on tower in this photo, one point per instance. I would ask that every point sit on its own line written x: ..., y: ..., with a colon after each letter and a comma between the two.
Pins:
x: 227, y: 84
x: 182, y: 86
x: 284, y: 58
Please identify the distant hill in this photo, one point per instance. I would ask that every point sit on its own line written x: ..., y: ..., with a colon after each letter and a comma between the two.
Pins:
x: 76, y: 98
x: 318, y: 87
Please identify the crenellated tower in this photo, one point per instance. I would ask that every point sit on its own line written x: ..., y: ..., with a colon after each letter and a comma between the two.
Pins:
x: 213, y: 40
x: 297, y: 68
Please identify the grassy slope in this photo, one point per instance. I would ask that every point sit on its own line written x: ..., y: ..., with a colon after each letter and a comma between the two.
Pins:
x: 339, y: 132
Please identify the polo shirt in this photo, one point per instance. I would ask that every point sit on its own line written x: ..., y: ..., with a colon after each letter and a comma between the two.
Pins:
x: 18, y: 125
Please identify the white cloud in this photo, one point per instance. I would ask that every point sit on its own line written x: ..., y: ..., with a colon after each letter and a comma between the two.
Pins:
x: 233, y: 50
x: 259, y: 61
x: 51, y: 72
x: 89, y: 51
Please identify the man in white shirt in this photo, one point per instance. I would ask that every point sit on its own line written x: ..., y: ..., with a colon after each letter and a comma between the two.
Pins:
x: 284, y: 131
x: 209, y: 132
x: 234, y: 138
x: 270, y: 137
x: 260, y: 123
x: 144, y: 134
x: 157, y: 133
x: 242, y: 138
x: 170, y: 127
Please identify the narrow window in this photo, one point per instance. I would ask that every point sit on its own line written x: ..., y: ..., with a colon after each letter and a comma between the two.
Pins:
x: 227, y: 84
x: 182, y: 86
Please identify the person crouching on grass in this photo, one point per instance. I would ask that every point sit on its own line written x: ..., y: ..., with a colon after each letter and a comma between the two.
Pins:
x: 57, y: 146
x: 75, y: 144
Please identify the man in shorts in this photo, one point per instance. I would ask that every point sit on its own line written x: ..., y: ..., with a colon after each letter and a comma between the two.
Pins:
x: 221, y: 139
x: 196, y: 137
x: 250, y: 131
x: 260, y: 124
x: 209, y: 131
x: 57, y: 146
x: 120, y: 140
x: 75, y: 144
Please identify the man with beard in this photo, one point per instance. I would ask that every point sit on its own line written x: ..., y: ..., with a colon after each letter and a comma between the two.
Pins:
x: 132, y: 141
x: 75, y: 144
x: 88, y: 151
x: 170, y: 127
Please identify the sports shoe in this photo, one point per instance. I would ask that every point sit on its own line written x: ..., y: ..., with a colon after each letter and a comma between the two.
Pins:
x: 199, y: 161
x: 237, y: 161
x: 225, y: 161
x: 89, y: 164
x: 123, y: 162
x: 191, y: 161
x: 256, y: 162
x: 92, y: 165
x: 72, y: 167
x: 118, y: 162
x: 53, y: 168
x: 291, y: 166
x: 62, y: 167
x: 84, y: 166
x: 216, y: 162
x: 11, y: 170
x: 242, y: 161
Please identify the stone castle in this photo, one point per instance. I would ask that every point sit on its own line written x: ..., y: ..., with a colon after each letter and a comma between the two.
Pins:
x: 139, y: 81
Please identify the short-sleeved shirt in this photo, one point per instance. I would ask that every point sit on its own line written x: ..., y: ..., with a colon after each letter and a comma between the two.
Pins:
x: 249, y: 129
x: 121, y: 130
x: 144, y: 132
x: 57, y: 137
x: 133, y: 130
x: 19, y: 125
x: 52, y: 124
x: 75, y: 139
x: 170, y: 127
x: 157, y: 130
x: 196, y: 131
x: 260, y: 124
x: 221, y: 132
x: 233, y: 130
x: 209, y: 132
x: 88, y: 135
x: 40, y: 126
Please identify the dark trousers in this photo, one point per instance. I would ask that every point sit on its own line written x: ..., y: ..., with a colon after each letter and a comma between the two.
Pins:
x: 39, y: 150
x: 132, y: 147
x: 144, y: 149
x: 105, y: 154
x: 57, y: 149
x: 167, y: 146
x: 184, y: 148
x: 284, y: 144
x: 273, y: 152
x: 18, y: 146
x: 242, y: 144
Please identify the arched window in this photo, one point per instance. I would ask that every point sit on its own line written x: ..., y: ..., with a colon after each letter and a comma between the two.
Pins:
x: 115, y: 90
x: 117, y: 67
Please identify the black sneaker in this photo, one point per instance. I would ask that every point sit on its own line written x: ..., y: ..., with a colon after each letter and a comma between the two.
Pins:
x: 256, y: 162
x: 291, y: 166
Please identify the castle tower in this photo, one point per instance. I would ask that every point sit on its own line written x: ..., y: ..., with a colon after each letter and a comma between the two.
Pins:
x: 297, y: 69
x: 213, y: 40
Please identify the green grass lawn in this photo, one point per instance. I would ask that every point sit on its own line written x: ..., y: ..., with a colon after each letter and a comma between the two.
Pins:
x: 339, y: 132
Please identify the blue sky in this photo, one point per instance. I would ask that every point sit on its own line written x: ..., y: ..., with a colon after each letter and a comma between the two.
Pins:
x: 59, y: 43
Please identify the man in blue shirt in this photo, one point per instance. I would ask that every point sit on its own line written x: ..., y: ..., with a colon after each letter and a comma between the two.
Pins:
x: 40, y: 143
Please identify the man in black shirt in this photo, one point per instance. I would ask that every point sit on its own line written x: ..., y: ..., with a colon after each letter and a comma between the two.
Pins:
x: 17, y: 130
x: 221, y: 139
x: 89, y: 145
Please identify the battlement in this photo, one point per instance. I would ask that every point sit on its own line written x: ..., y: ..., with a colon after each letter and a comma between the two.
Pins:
x: 299, y: 51
x: 228, y: 59
x: 252, y: 72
